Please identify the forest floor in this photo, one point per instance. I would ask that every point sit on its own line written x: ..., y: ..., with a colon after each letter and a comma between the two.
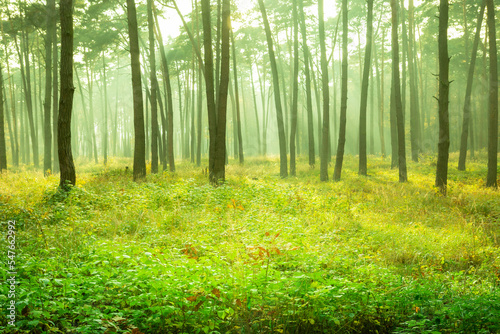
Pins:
x: 258, y: 254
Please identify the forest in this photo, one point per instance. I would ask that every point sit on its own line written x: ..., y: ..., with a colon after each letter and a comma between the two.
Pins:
x: 259, y: 166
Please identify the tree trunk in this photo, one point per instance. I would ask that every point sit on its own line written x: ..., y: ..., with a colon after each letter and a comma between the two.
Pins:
x: 66, y: 165
x: 153, y: 91
x: 47, y: 159
x: 277, y: 97
x: 140, y: 140
x: 380, y: 88
x: 491, y: 180
x: 169, y: 103
x: 3, y: 148
x: 364, y: 92
x: 397, y: 95
x: 414, y: 112
x: 310, y: 127
x: 209, y: 84
x: 55, y: 92
x: 295, y: 90
x: 343, y: 98
x: 444, y: 86
x: 257, y: 126
x: 237, y: 96
x: 468, y: 92
x: 220, y: 141
x: 105, y: 101
x: 326, y: 96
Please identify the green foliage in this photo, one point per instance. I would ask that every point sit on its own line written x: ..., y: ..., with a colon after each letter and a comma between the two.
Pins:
x: 255, y: 255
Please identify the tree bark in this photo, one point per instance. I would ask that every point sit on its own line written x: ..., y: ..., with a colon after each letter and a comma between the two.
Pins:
x: 310, y: 127
x: 397, y: 95
x: 55, y: 91
x: 326, y: 96
x: 66, y: 165
x: 491, y: 180
x: 444, y: 86
x: 414, y: 111
x: 343, y: 98
x: 219, y: 172
x: 295, y: 89
x: 209, y: 83
x: 468, y: 92
x: 154, y: 89
x: 140, y: 140
x: 3, y: 148
x: 364, y: 92
x: 237, y: 96
x: 47, y: 158
x: 277, y: 96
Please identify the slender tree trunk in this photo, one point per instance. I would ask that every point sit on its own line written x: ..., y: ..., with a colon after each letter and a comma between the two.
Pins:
x: 153, y: 91
x: 343, y: 98
x: 3, y: 148
x: 140, y: 140
x: 468, y: 92
x: 105, y: 132
x: 28, y: 96
x: 47, y: 159
x: 491, y: 180
x: 326, y: 96
x: 364, y: 92
x: 404, y: 56
x: 237, y: 95
x: 169, y: 102
x: 295, y: 90
x: 66, y: 165
x: 310, y: 127
x: 380, y: 88
x: 55, y: 92
x: 257, y: 126
x: 397, y: 95
x: 199, y: 99
x: 209, y: 84
x: 414, y: 112
x: 9, y: 123
x: 220, y: 142
x: 277, y: 97
x: 444, y: 86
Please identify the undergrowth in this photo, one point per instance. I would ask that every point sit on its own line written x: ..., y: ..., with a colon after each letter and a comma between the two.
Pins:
x: 259, y: 254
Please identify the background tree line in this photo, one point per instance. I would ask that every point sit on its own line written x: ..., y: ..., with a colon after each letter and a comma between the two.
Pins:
x: 277, y: 77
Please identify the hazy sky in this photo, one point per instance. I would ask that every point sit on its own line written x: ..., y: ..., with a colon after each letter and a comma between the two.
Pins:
x: 172, y: 24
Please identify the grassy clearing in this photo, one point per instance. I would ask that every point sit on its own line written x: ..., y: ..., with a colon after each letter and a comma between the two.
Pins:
x: 256, y: 255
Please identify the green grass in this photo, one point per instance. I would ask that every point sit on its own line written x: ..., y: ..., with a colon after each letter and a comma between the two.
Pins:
x: 256, y: 255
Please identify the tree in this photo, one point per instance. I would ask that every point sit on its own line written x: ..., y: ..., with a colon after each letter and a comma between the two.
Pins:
x: 209, y: 83
x: 491, y: 180
x: 153, y: 91
x: 140, y: 140
x: 169, y: 103
x: 237, y: 95
x: 305, y: 48
x: 47, y: 159
x: 66, y: 164
x: 414, y: 112
x: 468, y: 92
x: 396, y: 84
x: 343, y: 98
x: 444, y: 86
x: 219, y: 172
x: 295, y: 89
x: 277, y: 96
x: 326, y: 96
x: 3, y: 148
x: 364, y: 91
